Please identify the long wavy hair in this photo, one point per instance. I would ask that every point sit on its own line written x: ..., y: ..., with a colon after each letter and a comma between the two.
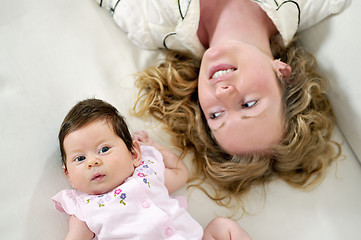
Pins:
x: 168, y: 92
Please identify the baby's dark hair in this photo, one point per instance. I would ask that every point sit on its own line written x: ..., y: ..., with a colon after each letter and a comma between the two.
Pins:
x: 87, y: 111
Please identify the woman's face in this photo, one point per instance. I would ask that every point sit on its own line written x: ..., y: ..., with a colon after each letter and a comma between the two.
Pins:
x: 240, y: 96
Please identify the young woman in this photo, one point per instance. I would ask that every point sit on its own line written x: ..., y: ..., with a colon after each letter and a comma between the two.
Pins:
x: 236, y: 87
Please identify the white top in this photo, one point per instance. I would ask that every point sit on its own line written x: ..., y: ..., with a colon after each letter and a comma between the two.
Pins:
x: 140, y: 208
x: 173, y: 24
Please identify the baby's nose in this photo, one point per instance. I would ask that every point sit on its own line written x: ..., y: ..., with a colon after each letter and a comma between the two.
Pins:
x: 94, y: 163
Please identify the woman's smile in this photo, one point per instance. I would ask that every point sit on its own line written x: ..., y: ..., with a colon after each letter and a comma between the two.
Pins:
x: 221, y: 70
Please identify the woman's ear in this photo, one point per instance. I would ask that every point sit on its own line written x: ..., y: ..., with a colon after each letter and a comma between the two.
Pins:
x: 136, y: 154
x: 283, y: 70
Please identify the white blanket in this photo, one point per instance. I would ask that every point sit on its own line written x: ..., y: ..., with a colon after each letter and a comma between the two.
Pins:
x: 55, y: 53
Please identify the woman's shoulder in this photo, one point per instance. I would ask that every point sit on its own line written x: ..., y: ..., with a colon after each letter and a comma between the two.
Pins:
x: 170, y: 24
x: 292, y: 16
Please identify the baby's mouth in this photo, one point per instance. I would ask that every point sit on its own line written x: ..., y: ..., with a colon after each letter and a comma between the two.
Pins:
x: 98, y: 177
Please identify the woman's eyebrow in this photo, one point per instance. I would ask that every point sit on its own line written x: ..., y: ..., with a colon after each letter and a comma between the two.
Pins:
x: 243, y: 116
x: 216, y: 129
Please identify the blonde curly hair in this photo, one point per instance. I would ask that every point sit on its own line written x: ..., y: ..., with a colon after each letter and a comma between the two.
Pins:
x: 169, y: 93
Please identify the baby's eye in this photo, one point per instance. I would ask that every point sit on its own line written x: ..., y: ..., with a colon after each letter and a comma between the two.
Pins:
x: 250, y: 104
x: 214, y: 115
x: 104, y: 150
x: 79, y: 159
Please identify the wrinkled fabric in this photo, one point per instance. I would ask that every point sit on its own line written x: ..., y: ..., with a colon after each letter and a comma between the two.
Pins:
x: 173, y: 24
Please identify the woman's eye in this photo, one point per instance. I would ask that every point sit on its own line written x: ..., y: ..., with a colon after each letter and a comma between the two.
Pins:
x: 215, y: 115
x: 250, y: 104
x: 79, y: 159
x: 104, y: 150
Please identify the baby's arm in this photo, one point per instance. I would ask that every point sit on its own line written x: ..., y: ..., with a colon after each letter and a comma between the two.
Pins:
x: 225, y: 229
x: 176, y: 173
x: 78, y: 230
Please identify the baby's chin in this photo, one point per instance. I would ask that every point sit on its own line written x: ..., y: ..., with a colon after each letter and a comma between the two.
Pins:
x: 100, y: 191
x: 104, y: 189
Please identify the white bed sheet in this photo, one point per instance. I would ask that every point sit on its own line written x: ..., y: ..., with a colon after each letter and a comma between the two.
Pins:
x: 336, y: 43
x: 55, y: 53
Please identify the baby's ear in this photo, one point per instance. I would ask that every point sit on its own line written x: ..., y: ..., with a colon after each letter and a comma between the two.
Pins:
x: 283, y: 70
x: 136, y: 154
x: 65, y: 171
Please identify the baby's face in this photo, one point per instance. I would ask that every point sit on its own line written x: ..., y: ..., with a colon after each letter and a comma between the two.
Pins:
x: 98, y: 159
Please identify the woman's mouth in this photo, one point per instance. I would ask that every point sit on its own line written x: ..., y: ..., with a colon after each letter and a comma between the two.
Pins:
x: 221, y: 70
x: 221, y: 73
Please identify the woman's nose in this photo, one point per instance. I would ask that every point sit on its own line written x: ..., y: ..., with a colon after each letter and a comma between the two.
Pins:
x: 225, y: 91
x: 95, y: 162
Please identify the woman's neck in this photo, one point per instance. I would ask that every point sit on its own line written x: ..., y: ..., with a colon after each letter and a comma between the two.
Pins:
x: 235, y: 20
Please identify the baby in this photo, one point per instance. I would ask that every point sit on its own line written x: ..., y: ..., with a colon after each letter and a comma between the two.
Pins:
x: 122, y: 185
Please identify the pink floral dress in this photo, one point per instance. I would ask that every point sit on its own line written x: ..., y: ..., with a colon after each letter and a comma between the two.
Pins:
x: 140, y: 208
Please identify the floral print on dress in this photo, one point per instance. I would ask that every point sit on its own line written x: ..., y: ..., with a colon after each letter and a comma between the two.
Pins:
x: 101, y: 200
x: 144, y: 171
x: 123, y: 196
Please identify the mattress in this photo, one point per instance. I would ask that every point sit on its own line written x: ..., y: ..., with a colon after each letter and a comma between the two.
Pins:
x: 56, y: 53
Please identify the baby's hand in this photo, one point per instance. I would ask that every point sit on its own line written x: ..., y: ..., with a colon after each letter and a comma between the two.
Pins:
x: 143, y: 138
